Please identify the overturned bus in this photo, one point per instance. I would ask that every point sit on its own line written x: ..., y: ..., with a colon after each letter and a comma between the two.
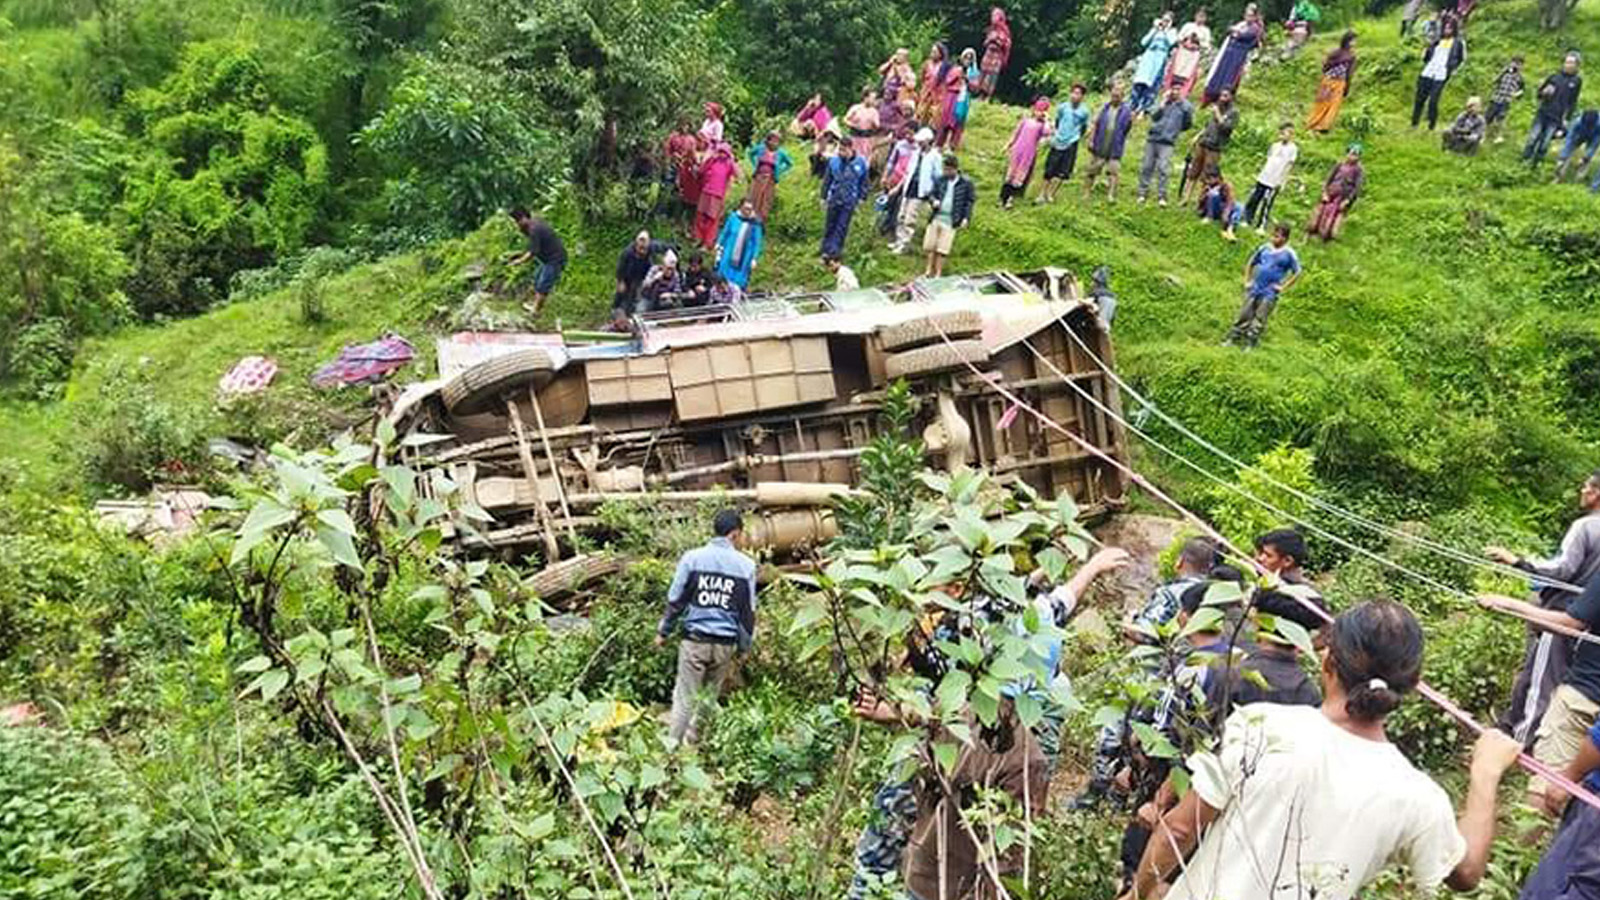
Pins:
x: 770, y: 403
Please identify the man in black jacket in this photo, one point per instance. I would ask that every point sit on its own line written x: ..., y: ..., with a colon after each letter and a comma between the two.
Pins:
x: 951, y: 201
x: 1558, y: 97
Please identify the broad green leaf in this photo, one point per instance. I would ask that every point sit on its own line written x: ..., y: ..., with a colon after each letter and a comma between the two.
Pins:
x: 810, y: 613
x: 952, y: 691
x: 696, y: 778
x: 247, y: 541
x: 385, y: 432
x: 1296, y: 634
x: 650, y: 776
x: 1221, y: 593
x: 946, y: 753
x: 1204, y: 619
x: 266, y: 515
x: 339, y: 546
x: 254, y: 664
x: 409, y: 684
x: 272, y: 683
x: 1029, y: 709
x: 338, y: 520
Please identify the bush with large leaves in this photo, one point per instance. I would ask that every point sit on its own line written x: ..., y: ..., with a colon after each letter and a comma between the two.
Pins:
x: 455, y: 144
x: 233, y: 180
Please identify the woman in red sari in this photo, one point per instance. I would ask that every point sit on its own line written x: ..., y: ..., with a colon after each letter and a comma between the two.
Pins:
x: 683, y: 152
x: 996, y: 52
x: 1338, y: 195
x: 952, y: 119
x: 930, y: 100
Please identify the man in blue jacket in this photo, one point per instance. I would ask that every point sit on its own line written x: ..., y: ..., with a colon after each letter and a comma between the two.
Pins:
x: 843, y: 188
x: 713, y: 594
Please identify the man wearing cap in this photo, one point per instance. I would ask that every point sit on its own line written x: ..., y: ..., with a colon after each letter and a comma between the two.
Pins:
x: 632, y: 267
x: 925, y: 167
x: 1072, y: 120
x: 713, y: 596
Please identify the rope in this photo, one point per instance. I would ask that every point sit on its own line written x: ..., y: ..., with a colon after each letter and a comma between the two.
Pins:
x: 1525, y: 761
x: 1421, y: 577
x: 1352, y: 517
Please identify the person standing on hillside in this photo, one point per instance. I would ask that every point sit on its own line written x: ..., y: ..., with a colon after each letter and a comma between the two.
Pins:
x: 1576, y: 702
x: 1023, y: 151
x: 717, y: 174
x: 683, y: 152
x: 1572, y: 861
x: 967, y: 68
x: 1270, y: 180
x: 1072, y: 120
x: 1206, y: 153
x: 930, y: 99
x: 1271, y: 816
x: 1227, y: 71
x: 996, y: 52
x: 843, y: 188
x: 711, y: 127
x: 1107, y: 141
x: 916, y: 188
x: 1271, y: 270
x: 768, y: 163
x: 1440, y: 59
x: 1409, y: 16
x: 739, y: 245
x: 862, y: 122
x: 1544, y: 663
x: 1558, y: 97
x: 953, y: 198
x: 1339, y: 194
x: 1183, y: 70
x: 1167, y: 124
x: 1158, y: 43
x: 1583, y: 132
x: 1508, y: 86
x: 545, y: 247
x: 713, y: 595
x: 1338, y: 72
x: 899, y: 79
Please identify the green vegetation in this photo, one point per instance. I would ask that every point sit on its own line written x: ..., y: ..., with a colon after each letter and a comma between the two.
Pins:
x: 184, y: 184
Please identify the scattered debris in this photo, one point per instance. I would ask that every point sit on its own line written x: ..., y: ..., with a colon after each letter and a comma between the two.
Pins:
x: 250, y: 375
x: 366, y: 363
x: 166, y: 514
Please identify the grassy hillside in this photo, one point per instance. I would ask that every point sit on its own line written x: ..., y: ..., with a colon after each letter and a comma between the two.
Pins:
x: 1432, y: 358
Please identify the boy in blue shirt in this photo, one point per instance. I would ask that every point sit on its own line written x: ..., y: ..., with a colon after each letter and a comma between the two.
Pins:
x: 1272, y: 269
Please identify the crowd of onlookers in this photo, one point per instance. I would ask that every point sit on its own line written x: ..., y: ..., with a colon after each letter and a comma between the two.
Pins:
x: 896, y: 150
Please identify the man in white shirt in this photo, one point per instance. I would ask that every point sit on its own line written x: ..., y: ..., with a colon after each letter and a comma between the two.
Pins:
x: 916, y: 189
x: 844, y: 276
x: 1273, y: 176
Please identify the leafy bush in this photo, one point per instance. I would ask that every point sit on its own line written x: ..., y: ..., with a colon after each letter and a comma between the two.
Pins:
x: 41, y: 358
x: 234, y: 180
x: 129, y: 436
x: 455, y: 143
x: 766, y: 741
x: 72, y: 827
x: 1240, y: 519
x: 779, y: 37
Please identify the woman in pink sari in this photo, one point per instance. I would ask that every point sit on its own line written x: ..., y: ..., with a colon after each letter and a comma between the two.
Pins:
x: 711, y: 128
x: 952, y: 118
x: 1023, y: 151
x: 716, y: 174
x: 996, y: 51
